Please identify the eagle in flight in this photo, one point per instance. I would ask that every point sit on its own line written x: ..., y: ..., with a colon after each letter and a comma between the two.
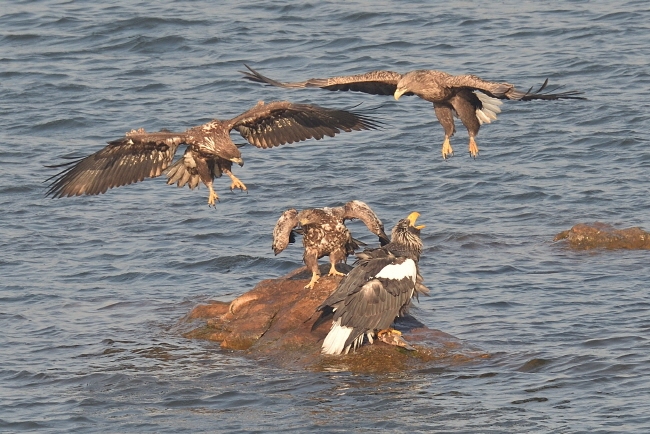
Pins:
x: 377, y: 290
x: 470, y: 98
x: 210, y: 151
x: 324, y: 233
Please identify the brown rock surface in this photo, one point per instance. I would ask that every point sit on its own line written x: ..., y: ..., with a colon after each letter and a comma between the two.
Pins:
x: 604, y: 236
x: 273, y: 321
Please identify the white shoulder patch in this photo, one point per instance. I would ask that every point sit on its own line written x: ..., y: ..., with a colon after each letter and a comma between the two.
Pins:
x: 399, y: 271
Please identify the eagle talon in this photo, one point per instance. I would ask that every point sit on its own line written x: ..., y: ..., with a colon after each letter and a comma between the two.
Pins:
x: 312, y: 282
x: 473, y: 148
x: 383, y: 333
x: 334, y: 271
x: 213, y: 199
x: 447, y: 150
x: 394, y: 337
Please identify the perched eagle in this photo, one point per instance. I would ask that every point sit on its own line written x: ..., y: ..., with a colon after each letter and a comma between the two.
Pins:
x: 377, y: 290
x: 324, y: 233
x: 210, y: 152
x: 473, y: 100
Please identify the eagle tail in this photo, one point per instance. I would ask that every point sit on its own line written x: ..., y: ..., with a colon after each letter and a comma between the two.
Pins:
x: 489, y: 110
x: 179, y: 174
x: 336, y: 339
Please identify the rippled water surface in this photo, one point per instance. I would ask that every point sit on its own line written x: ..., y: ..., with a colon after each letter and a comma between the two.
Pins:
x: 92, y: 288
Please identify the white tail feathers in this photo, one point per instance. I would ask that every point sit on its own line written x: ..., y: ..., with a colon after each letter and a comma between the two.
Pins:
x: 335, y: 340
x: 490, y: 108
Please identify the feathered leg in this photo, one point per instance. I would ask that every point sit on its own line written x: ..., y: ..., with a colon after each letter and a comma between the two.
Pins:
x: 311, y: 261
x: 467, y: 113
x: 212, y: 196
x: 335, y: 257
x: 446, y: 119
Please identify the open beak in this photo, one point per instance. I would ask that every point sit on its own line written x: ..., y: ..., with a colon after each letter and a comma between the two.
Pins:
x: 412, y: 218
x: 398, y: 93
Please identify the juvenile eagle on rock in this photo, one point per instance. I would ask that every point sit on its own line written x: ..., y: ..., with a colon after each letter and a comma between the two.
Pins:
x: 210, y: 151
x: 470, y: 98
x: 377, y: 290
x: 324, y: 233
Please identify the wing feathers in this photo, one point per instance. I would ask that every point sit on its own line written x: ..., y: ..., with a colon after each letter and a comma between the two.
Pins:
x: 131, y: 159
x: 282, y: 232
x: 278, y: 123
x: 374, y: 82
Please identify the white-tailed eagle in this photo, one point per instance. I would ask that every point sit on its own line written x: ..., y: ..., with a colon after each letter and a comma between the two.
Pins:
x: 470, y: 98
x: 377, y: 290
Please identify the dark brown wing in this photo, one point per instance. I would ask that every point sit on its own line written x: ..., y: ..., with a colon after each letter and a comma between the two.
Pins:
x: 283, y: 230
x: 374, y: 82
x: 543, y: 93
x: 125, y: 161
x: 277, y: 123
x: 356, y: 209
x: 508, y: 91
x: 364, y: 301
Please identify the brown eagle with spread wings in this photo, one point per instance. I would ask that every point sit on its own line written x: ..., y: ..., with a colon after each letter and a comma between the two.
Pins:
x: 470, y: 98
x: 210, y: 151
x: 324, y: 233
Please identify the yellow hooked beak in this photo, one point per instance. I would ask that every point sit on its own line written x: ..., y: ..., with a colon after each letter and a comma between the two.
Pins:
x: 238, y: 160
x: 412, y: 218
x: 398, y: 93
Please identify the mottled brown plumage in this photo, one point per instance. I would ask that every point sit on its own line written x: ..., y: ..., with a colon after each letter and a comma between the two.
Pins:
x: 474, y: 100
x: 324, y: 233
x: 210, y: 150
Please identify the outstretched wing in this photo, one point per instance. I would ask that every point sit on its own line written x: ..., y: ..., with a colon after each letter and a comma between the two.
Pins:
x: 374, y: 82
x: 125, y: 161
x: 508, y: 91
x: 277, y: 123
x: 282, y: 232
x: 356, y: 209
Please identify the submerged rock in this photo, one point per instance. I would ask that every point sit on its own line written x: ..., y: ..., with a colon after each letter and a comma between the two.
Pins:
x: 273, y: 321
x: 604, y: 236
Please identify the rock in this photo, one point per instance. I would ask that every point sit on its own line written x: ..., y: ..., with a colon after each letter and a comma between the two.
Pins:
x: 604, y: 236
x: 274, y: 320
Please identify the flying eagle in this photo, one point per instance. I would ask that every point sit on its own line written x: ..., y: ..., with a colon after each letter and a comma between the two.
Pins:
x: 377, y: 290
x: 210, y: 151
x: 473, y: 100
x: 324, y: 233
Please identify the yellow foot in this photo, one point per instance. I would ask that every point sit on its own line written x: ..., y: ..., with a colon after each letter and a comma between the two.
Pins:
x: 312, y: 282
x: 335, y: 272
x: 213, y: 199
x: 447, y: 150
x: 236, y: 183
x: 473, y: 148
x: 394, y: 337
x: 385, y: 332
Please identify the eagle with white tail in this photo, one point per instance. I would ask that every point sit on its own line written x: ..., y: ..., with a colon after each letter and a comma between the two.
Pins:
x: 474, y: 100
x: 377, y: 290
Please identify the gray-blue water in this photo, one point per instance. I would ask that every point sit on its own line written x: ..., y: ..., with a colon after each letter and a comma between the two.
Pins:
x: 92, y: 287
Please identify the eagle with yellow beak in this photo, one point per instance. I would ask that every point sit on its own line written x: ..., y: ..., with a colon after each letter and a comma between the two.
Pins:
x: 377, y: 290
x: 474, y: 100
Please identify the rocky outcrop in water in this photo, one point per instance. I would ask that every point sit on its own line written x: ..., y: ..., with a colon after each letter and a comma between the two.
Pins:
x: 273, y: 322
x: 604, y: 236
